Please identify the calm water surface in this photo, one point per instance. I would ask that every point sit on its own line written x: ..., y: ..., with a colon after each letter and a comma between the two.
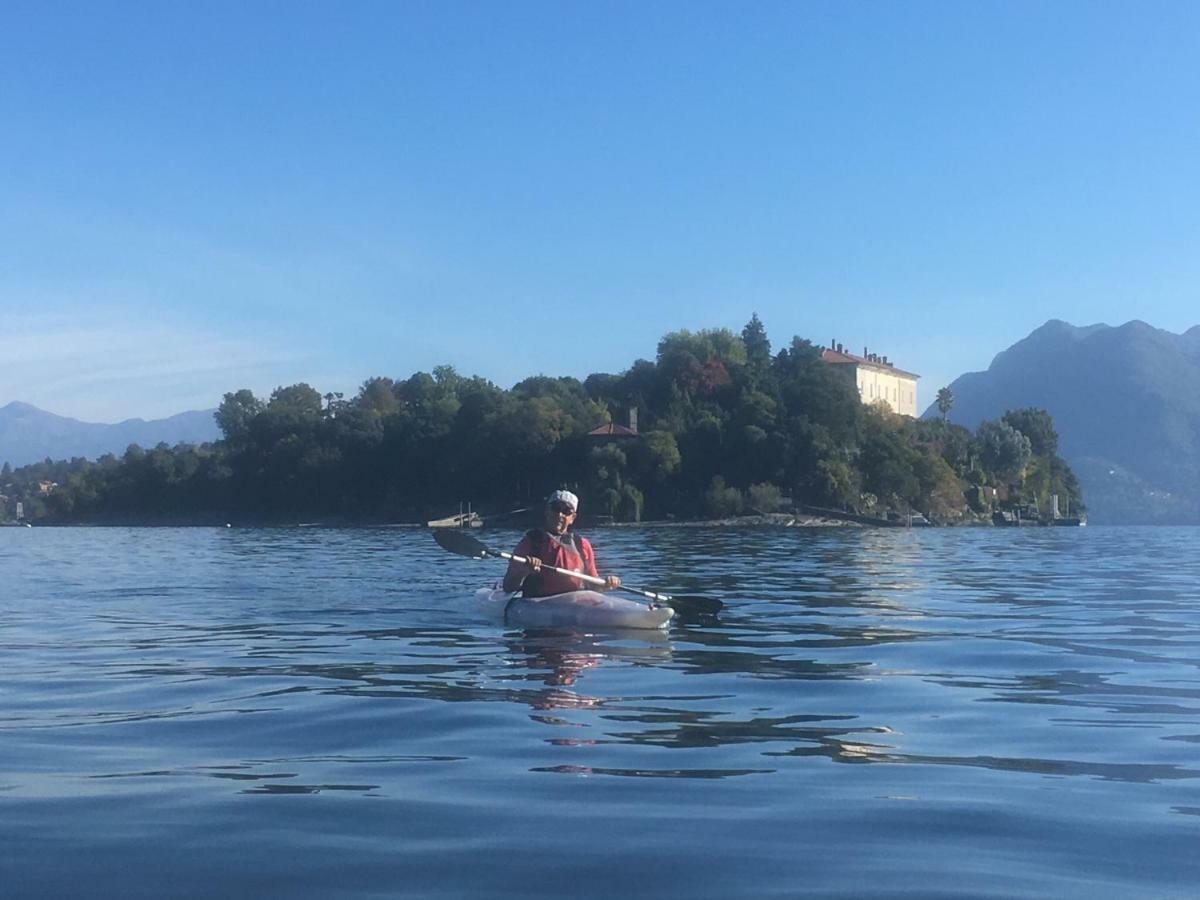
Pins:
x: 322, y: 713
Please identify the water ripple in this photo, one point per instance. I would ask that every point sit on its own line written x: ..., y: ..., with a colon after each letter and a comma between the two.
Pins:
x: 994, y: 701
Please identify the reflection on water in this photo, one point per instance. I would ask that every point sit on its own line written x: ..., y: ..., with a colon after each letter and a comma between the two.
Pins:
x: 1052, y: 672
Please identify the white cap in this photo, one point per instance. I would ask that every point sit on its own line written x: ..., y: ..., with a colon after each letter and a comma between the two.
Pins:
x: 565, y: 497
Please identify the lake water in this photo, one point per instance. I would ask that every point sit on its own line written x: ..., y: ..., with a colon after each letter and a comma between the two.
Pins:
x: 322, y: 713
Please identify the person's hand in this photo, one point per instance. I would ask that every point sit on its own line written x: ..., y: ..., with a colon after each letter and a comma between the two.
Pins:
x: 534, y: 563
x: 611, y: 582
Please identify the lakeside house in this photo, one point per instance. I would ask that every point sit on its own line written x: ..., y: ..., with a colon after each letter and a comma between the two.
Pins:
x: 876, y: 377
x: 611, y: 432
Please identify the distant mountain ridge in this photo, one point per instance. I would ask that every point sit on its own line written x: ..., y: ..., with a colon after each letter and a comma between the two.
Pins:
x: 29, y: 434
x: 1125, y: 401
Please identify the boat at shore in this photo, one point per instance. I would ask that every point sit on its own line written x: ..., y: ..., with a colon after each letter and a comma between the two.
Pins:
x: 461, y: 520
x: 1015, y: 518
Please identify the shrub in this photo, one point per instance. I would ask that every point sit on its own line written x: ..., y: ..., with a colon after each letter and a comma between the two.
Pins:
x: 765, y: 497
x: 721, y: 501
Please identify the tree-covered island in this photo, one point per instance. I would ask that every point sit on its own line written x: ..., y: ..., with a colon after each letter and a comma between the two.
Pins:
x: 716, y: 425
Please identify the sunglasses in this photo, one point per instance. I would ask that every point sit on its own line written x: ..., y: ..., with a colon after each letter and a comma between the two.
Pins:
x: 562, y: 508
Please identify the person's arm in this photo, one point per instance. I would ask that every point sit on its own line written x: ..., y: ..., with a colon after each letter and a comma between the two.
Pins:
x: 518, y: 572
x: 589, y: 561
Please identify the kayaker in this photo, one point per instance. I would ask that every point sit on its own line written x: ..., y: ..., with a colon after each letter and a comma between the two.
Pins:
x: 555, y: 545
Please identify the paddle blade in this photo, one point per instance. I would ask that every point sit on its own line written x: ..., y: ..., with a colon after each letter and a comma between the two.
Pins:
x: 459, y: 542
x: 700, y: 606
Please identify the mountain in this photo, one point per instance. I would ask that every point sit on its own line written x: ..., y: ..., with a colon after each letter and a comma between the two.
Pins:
x: 1126, y: 403
x: 29, y: 434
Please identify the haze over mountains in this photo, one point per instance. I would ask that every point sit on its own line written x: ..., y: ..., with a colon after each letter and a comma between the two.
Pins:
x: 29, y: 434
x: 1126, y: 403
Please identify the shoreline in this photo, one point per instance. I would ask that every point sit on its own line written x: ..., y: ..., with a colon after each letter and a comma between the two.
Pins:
x: 812, y: 518
x: 764, y: 520
x: 772, y: 520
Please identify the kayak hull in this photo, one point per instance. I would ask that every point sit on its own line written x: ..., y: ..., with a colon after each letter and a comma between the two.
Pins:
x: 576, y: 609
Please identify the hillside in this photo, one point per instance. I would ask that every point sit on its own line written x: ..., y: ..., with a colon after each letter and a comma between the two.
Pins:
x: 29, y: 434
x: 1126, y: 403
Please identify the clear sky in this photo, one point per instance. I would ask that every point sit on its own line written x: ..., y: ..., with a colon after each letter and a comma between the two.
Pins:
x: 200, y: 197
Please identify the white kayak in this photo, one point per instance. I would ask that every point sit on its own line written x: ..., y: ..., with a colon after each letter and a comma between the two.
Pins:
x: 576, y: 609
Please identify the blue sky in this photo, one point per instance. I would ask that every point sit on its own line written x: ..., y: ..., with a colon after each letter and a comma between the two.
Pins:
x: 196, y: 198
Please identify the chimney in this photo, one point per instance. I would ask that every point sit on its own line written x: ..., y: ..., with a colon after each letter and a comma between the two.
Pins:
x: 633, y: 419
x: 865, y: 356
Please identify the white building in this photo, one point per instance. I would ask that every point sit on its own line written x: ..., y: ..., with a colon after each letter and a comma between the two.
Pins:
x: 877, y: 378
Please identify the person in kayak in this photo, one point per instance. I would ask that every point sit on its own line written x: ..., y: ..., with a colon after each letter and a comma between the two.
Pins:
x: 555, y: 545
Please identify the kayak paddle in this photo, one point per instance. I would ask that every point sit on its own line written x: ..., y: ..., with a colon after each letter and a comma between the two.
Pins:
x: 464, y: 545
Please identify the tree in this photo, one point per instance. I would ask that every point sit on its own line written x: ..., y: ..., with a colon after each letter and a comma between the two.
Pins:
x: 721, y: 501
x: 606, y: 479
x: 945, y: 401
x: 629, y: 504
x: 836, y: 484
x: 302, y: 401
x: 236, y: 412
x: 765, y: 497
x: 887, y: 465
x: 661, y: 451
x: 723, y: 424
x: 758, y: 348
x: 378, y: 396
x: 1002, y: 449
x: 698, y: 364
x: 1036, y: 425
x: 941, y: 491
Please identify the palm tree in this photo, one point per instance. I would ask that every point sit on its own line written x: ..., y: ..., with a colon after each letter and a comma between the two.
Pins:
x: 945, y: 400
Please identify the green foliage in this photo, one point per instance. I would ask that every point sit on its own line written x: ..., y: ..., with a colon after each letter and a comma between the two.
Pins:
x: 836, y: 484
x: 377, y: 396
x: 945, y: 401
x: 629, y: 504
x: 235, y: 414
x: 765, y: 497
x: 941, y: 492
x: 658, y: 455
x: 724, y: 424
x: 758, y: 348
x: 1003, y: 449
x: 298, y: 400
x: 721, y: 501
x: 1036, y: 425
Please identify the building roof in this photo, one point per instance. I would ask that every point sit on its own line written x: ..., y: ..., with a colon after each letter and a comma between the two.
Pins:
x: 842, y: 358
x: 611, y: 430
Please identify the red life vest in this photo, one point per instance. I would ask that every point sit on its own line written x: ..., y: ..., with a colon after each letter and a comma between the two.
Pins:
x: 568, y: 551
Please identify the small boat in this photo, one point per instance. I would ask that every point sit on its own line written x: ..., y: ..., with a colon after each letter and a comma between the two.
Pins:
x: 576, y: 609
x: 468, y: 519
x: 462, y: 520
